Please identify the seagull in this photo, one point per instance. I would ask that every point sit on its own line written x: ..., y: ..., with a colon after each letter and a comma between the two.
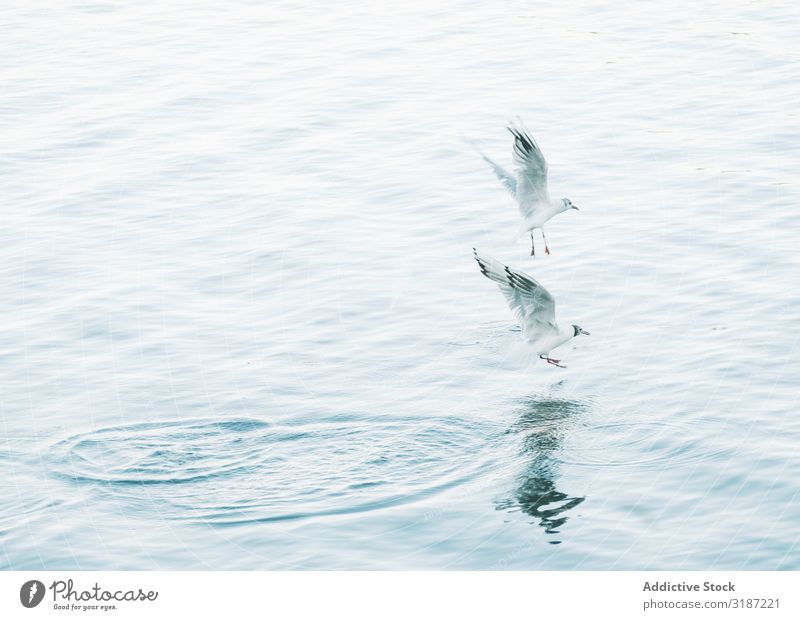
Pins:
x: 533, y: 306
x: 529, y: 187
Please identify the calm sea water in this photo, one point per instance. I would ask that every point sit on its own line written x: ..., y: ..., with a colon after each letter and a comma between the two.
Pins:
x: 243, y: 329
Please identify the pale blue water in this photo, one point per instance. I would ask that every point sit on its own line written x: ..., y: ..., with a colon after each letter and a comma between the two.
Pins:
x: 242, y: 326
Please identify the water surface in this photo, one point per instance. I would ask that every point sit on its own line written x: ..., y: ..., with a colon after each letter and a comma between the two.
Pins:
x: 243, y: 328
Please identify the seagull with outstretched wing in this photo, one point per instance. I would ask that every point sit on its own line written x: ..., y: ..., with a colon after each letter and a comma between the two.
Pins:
x: 533, y: 306
x: 529, y: 186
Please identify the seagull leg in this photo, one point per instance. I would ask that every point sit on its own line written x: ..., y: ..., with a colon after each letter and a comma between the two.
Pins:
x: 533, y: 248
x: 546, y: 249
x: 550, y: 360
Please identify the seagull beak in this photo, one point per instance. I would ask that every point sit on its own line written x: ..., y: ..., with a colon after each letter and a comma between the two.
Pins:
x: 576, y: 208
x: 585, y: 332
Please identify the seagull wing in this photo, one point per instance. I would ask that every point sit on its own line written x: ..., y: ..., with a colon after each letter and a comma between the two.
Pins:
x: 531, y: 303
x: 508, y: 181
x: 506, y: 178
x: 531, y: 170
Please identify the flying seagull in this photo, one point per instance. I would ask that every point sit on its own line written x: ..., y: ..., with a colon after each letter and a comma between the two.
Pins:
x: 533, y: 306
x: 529, y: 187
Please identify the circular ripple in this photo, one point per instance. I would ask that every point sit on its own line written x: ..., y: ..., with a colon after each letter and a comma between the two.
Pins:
x: 628, y: 444
x: 162, y: 452
x: 246, y: 470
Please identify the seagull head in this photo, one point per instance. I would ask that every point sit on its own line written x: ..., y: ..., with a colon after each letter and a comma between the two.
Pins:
x: 568, y: 204
x: 579, y: 330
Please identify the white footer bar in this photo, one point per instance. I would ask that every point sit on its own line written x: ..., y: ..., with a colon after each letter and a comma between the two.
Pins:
x: 401, y: 595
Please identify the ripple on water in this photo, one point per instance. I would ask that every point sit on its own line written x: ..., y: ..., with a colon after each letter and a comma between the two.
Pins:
x: 246, y: 470
x: 637, y: 444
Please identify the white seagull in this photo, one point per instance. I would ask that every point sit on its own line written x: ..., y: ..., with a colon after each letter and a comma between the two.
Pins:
x: 533, y: 306
x: 529, y: 187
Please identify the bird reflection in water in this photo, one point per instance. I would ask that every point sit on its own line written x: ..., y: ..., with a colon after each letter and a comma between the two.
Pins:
x: 542, y: 424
